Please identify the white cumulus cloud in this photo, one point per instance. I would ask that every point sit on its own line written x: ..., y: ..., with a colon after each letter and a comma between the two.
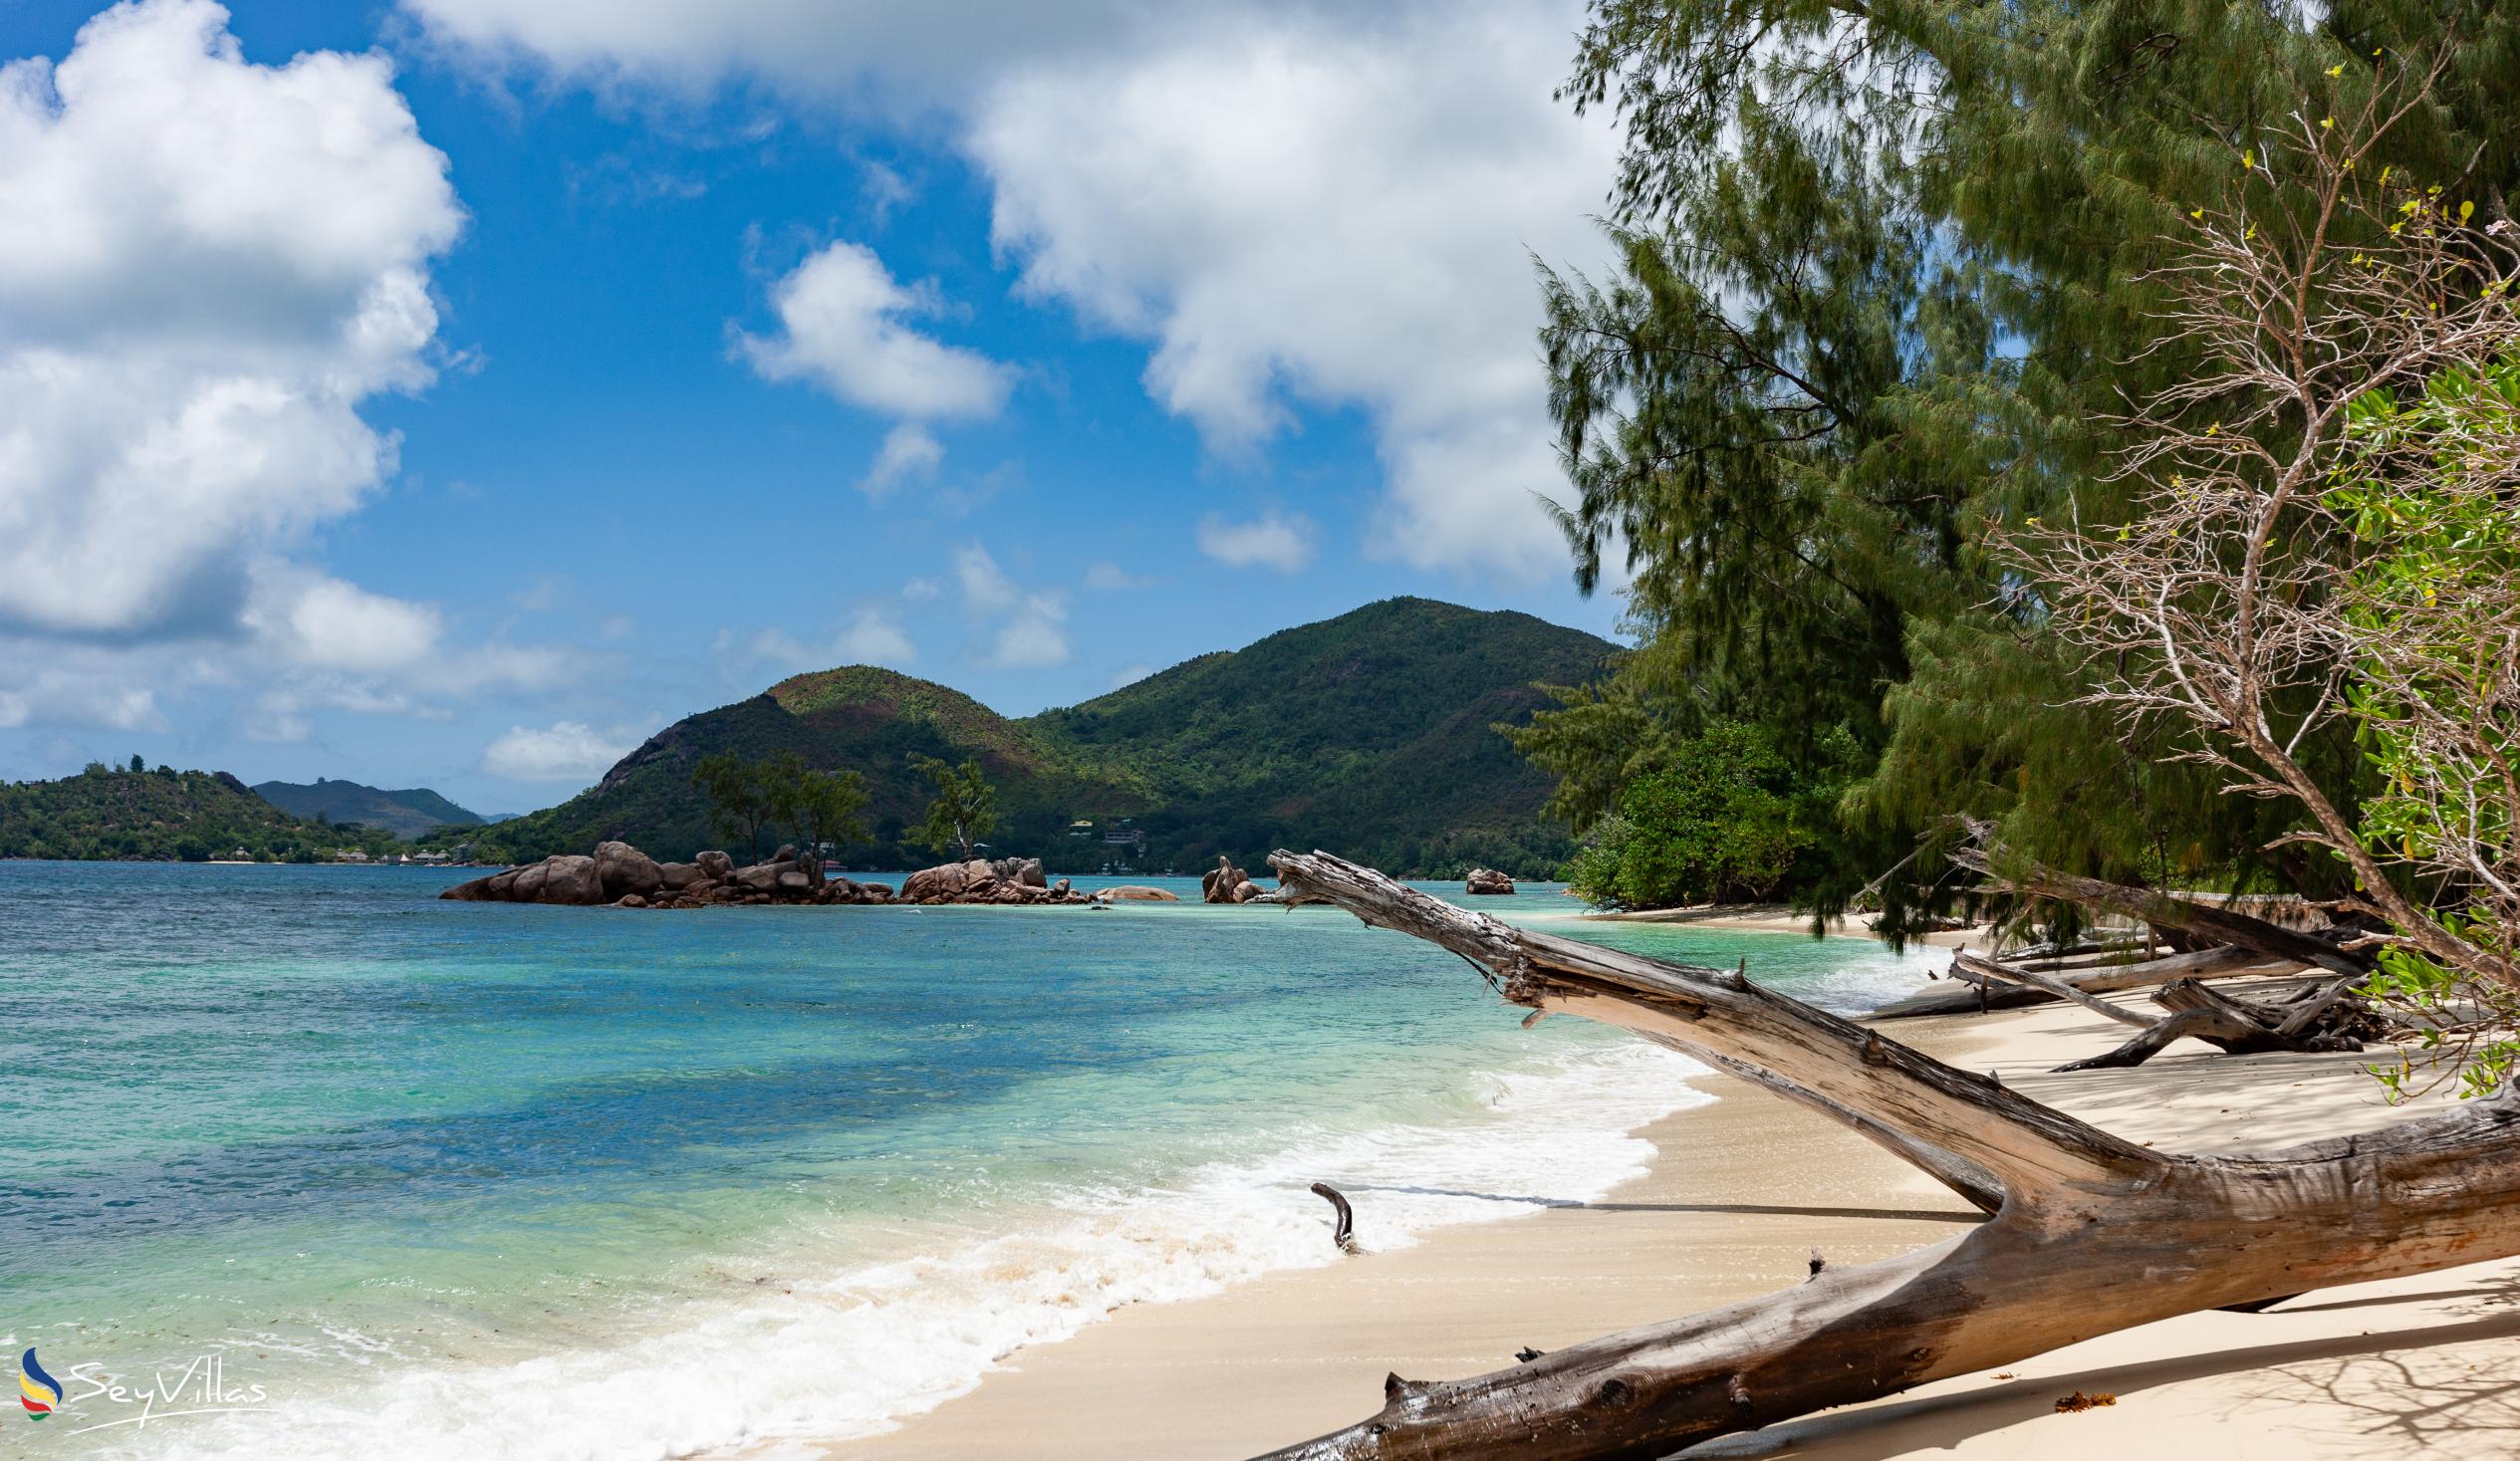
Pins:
x: 566, y: 751
x: 1337, y: 213
x: 1292, y: 203
x: 1022, y: 629
x: 324, y: 623
x: 872, y: 635
x: 844, y: 326
x: 205, y: 266
x: 1281, y: 541
x: 908, y: 451
x: 842, y: 317
x: 902, y: 55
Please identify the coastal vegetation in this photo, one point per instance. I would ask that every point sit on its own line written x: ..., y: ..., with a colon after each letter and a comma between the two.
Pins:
x: 1886, y: 281
x: 1372, y: 733
x: 164, y: 815
x: 1725, y: 816
x: 965, y: 809
x: 411, y: 812
x: 824, y: 805
x: 2095, y: 436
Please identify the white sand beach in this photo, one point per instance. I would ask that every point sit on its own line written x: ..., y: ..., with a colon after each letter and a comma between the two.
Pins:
x: 1742, y: 1190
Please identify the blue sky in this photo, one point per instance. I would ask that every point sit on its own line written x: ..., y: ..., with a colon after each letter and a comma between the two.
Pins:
x: 453, y: 393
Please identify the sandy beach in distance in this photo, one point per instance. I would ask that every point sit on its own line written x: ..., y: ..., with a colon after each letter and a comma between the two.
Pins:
x: 1742, y: 1192
x: 1767, y: 918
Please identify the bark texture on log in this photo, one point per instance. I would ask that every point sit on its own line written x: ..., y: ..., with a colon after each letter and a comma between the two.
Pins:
x: 2093, y: 1234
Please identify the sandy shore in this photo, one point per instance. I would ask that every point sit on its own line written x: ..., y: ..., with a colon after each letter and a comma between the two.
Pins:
x: 1742, y: 1191
x: 1776, y: 918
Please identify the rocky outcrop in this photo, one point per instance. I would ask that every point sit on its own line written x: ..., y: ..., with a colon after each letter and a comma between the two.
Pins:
x: 625, y: 870
x: 1227, y: 883
x: 1006, y: 880
x: 1135, y: 893
x: 943, y: 882
x: 626, y: 877
x: 1489, y: 882
x: 572, y: 879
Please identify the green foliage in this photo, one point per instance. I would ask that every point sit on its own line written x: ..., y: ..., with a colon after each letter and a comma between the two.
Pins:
x: 1884, y: 281
x: 1373, y: 735
x: 747, y: 798
x: 1728, y: 819
x: 193, y: 816
x: 743, y: 795
x: 824, y: 805
x: 1599, y: 740
x: 1368, y: 735
x: 2434, y: 593
x: 2430, y: 551
x: 2464, y: 1023
x: 965, y: 809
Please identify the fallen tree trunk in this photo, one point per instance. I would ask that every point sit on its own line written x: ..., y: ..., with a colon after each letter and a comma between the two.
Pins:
x: 2210, y: 964
x: 2093, y: 1234
x: 1984, y: 970
x: 2162, y: 910
x: 2325, y: 1016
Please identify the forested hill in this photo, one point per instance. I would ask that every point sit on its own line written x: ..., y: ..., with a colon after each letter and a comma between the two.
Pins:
x: 108, y: 812
x: 406, y: 813
x: 1370, y: 734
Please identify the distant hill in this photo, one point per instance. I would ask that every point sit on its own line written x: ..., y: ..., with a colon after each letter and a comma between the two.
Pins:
x: 406, y: 813
x: 162, y: 815
x: 1370, y: 734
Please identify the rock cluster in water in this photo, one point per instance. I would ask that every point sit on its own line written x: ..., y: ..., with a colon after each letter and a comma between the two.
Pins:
x: 626, y: 877
x: 1227, y: 883
x: 1005, y: 881
x: 1490, y: 881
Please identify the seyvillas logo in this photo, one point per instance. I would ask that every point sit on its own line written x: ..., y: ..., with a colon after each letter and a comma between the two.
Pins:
x: 38, y: 1391
x: 107, y: 1400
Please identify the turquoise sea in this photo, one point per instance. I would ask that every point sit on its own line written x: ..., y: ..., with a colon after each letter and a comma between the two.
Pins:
x: 370, y: 1173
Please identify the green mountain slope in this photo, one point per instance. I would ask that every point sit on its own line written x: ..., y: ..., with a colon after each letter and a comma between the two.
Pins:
x: 163, y: 813
x: 406, y: 813
x: 1370, y: 734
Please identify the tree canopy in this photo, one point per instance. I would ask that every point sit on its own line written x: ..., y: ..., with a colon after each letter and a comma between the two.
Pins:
x: 965, y: 809
x: 1888, y: 279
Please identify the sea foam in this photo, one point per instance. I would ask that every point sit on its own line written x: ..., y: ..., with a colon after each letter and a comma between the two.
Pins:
x: 854, y: 1352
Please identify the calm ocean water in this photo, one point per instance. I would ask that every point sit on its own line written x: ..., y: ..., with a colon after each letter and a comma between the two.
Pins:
x: 471, y: 1180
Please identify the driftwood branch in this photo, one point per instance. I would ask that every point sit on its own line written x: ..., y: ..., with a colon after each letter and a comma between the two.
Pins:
x: 1973, y: 991
x: 1345, y: 1236
x: 2325, y: 1018
x: 2047, y: 984
x: 2162, y: 909
x: 2093, y: 1234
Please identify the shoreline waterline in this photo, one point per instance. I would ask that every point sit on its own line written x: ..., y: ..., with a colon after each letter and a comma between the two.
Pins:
x: 1739, y: 1197
x: 696, y: 1184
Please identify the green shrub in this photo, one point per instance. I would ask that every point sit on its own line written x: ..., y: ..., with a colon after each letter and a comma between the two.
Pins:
x: 1725, y: 822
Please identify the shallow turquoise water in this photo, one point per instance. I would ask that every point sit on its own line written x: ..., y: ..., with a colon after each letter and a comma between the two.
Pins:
x: 698, y: 1179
